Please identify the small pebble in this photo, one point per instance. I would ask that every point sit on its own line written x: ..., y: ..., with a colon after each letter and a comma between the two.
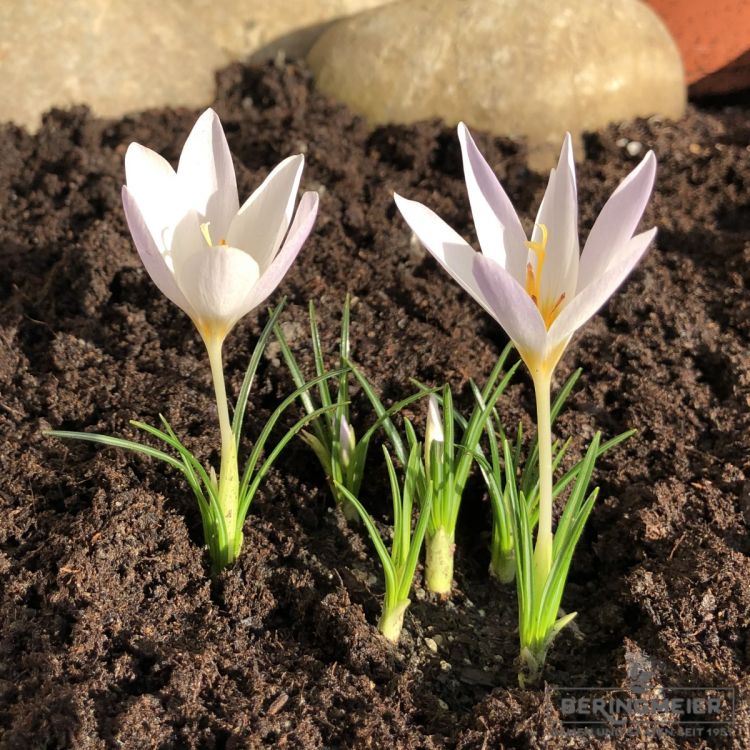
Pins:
x: 442, y: 704
x: 621, y: 142
x: 445, y: 666
x: 481, y: 612
x: 634, y: 148
x: 416, y: 248
x: 278, y: 704
x: 430, y: 643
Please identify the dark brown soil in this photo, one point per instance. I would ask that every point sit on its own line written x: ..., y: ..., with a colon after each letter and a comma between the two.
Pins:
x: 113, y: 633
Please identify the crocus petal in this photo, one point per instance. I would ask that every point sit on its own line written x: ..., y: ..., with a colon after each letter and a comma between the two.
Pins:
x: 499, y: 229
x: 184, y: 240
x: 592, y: 297
x: 558, y: 212
x: 263, y: 220
x: 152, y: 184
x: 298, y: 232
x: 511, y: 306
x: 206, y: 175
x: 217, y: 282
x: 617, y: 221
x: 449, y: 249
x: 151, y: 257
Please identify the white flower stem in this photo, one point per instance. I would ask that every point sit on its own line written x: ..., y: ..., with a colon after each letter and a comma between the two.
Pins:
x: 439, y: 562
x: 543, y: 549
x: 229, y: 481
x: 503, y: 563
x: 392, y: 620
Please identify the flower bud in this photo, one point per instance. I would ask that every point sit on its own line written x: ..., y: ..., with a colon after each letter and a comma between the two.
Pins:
x: 434, y: 429
x: 347, y: 441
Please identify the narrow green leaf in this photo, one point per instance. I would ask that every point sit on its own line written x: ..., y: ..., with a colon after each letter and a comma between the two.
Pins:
x: 113, y: 442
x: 343, y: 394
x: 524, y: 547
x: 475, y: 428
x: 555, y: 585
x: 294, y: 369
x: 415, y: 546
x: 576, y: 498
x: 391, y: 584
x: 276, y: 415
x: 192, y: 461
x: 384, y: 415
x: 325, y: 394
x: 248, y: 488
x: 247, y: 381
x: 448, y: 429
x: 496, y: 370
x: 398, y: 540
x: 320, y: 450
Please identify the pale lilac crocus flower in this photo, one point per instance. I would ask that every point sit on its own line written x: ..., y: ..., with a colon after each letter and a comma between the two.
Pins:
x: 539, y: 290
x: 215, y: 260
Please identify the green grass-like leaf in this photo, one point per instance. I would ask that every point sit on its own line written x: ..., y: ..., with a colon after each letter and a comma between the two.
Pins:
x: 400, y: 563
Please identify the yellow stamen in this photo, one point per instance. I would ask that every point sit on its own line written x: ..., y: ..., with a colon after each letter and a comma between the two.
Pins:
x: 550, y: 315
x: 206, y: 234
x: 530, y: 282
x: 534, y: 280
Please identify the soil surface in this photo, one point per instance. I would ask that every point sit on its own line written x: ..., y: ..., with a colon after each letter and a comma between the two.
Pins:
x: 113, y: 633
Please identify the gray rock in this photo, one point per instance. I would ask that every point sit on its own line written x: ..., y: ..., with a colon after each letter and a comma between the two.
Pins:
x: 532, y: 68
x: 120, y: 56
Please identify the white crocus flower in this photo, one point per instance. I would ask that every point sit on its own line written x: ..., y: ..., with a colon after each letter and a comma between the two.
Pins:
x: 539, y: 290
x: 214, y: 259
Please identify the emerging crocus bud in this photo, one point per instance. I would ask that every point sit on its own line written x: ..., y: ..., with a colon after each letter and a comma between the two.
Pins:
x: 346, y: 440
x: 434, y: 430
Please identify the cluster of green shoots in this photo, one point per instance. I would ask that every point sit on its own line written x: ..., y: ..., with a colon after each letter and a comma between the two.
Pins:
x: 426, y: 500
